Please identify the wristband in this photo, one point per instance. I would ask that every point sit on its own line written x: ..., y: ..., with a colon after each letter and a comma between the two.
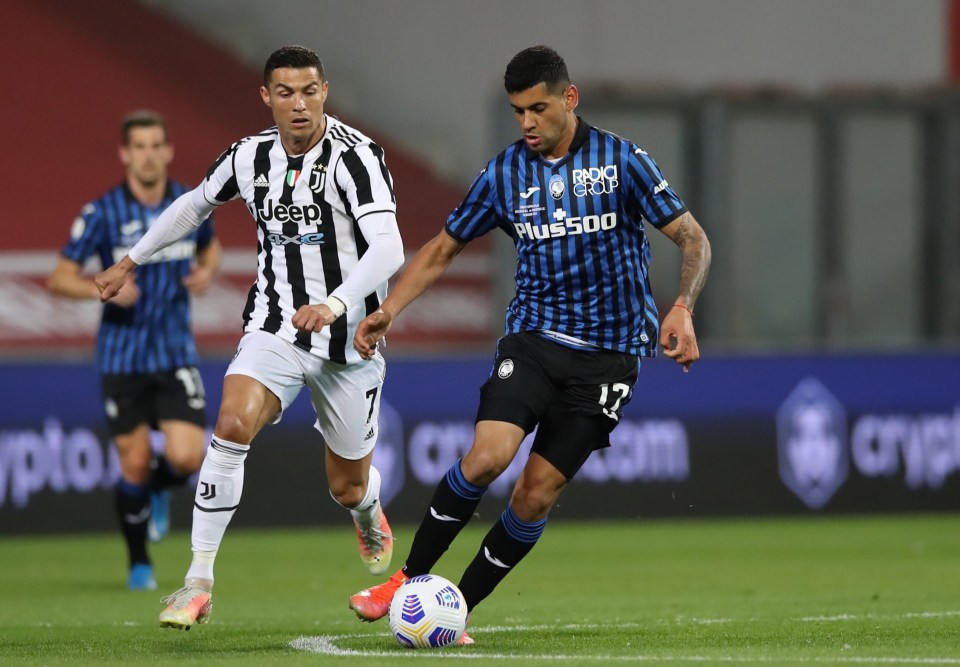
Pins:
x: 336, y: 306
x: 680, y: 305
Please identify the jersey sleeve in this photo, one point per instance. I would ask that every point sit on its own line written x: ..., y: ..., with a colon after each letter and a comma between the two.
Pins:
x: 476, y: 215
x: 220, y: 184
x: 86, y: 233
x: 363, y: 176
x: 656, y: 199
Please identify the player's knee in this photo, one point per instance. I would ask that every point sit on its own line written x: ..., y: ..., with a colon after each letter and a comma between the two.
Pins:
x: 532, y: 503
x: 534, y: 495
x: 482, y: 467
x: 234, y: 427
x: 185, y: 461
x: 135, y: 466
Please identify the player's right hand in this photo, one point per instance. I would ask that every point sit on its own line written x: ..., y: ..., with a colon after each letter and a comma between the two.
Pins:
x: 370, y: 331
x: 111, y: 281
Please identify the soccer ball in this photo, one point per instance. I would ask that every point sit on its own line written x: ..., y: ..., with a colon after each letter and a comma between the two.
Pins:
x: 428, y: 612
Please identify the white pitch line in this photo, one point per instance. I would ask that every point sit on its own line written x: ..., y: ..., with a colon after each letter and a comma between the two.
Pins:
x: 876, y: 617
x: 894, y: 661
x: 327, y: 645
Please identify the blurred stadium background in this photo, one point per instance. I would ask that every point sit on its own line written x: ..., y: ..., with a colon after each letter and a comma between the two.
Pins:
x: 818, y: 143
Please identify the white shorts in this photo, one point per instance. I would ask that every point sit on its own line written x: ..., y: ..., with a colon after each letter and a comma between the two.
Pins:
x: 345, y: 398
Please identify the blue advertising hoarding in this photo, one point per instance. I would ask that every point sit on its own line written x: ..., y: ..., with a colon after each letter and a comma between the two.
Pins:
x: 735, y: 436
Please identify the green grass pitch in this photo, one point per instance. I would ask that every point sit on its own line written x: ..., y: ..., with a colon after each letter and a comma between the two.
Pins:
x: 812, y: 591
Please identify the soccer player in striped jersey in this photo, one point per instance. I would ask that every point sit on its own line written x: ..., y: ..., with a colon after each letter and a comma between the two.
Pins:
x: 574, y: 199
x: 146, y: 354
x: 328, y: 241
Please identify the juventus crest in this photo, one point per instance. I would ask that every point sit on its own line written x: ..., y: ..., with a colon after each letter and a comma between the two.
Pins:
x: 318, y: 177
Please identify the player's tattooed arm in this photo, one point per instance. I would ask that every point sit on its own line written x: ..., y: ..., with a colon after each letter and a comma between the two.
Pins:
x: 695, y: 257
x: 678, y: 340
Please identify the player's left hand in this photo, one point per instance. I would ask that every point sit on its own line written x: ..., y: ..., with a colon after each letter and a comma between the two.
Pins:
x: 128, y: 295
x: 199, y: 280
x: 313, y: 318
x: 678, y: 339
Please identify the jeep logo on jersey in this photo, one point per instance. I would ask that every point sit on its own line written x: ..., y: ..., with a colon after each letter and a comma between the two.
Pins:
x: 288, y: 213
x: 595, y: 180
x: 313, y: 238
x: 812, y: 443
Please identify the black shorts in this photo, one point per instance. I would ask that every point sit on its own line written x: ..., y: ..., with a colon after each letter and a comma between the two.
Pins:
x: 574, y: 398
x: 148, y: 398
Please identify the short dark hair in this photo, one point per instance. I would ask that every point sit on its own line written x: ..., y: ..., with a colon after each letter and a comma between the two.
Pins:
x: 537, y: 64
x: 141, y: 118
x: 294, y: 57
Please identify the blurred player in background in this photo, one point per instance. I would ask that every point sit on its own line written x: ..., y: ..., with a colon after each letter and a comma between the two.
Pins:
x: 323, y: 201
x: 145, y: 349
x: 574, y: 199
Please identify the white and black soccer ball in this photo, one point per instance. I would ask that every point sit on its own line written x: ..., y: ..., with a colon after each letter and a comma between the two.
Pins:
x: 428, y: 612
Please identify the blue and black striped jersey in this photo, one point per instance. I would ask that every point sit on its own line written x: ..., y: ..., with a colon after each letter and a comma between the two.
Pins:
x: 578, y: 225
x: 155, y: 334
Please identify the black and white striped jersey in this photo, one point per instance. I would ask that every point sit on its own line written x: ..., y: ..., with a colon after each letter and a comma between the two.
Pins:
x: 308, y: 210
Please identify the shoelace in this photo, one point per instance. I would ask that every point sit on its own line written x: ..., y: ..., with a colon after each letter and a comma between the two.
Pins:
x: 384, y: 592
x: 175, y: 597
x: 373, y: 537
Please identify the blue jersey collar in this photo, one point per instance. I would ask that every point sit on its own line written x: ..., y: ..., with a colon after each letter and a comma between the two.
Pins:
x: 579, y: 138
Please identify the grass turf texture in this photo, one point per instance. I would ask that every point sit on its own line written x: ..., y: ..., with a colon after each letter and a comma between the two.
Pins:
x: 856, y: 590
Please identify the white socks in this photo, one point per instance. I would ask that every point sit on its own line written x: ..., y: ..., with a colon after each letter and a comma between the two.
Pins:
x: 365, y: 511
x: 218, y: 494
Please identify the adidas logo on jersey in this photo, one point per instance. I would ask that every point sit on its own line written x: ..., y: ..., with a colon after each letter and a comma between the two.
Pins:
x: 261, y: 182
x: 369, y: 435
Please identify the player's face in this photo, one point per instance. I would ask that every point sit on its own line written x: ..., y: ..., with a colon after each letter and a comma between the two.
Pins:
x: 147, y: 155
x: 546, y: 118
x: 296, y: 97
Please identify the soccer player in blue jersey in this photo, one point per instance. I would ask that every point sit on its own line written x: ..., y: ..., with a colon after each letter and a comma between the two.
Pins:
x: 145, y: 349
x: 574, y: 199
